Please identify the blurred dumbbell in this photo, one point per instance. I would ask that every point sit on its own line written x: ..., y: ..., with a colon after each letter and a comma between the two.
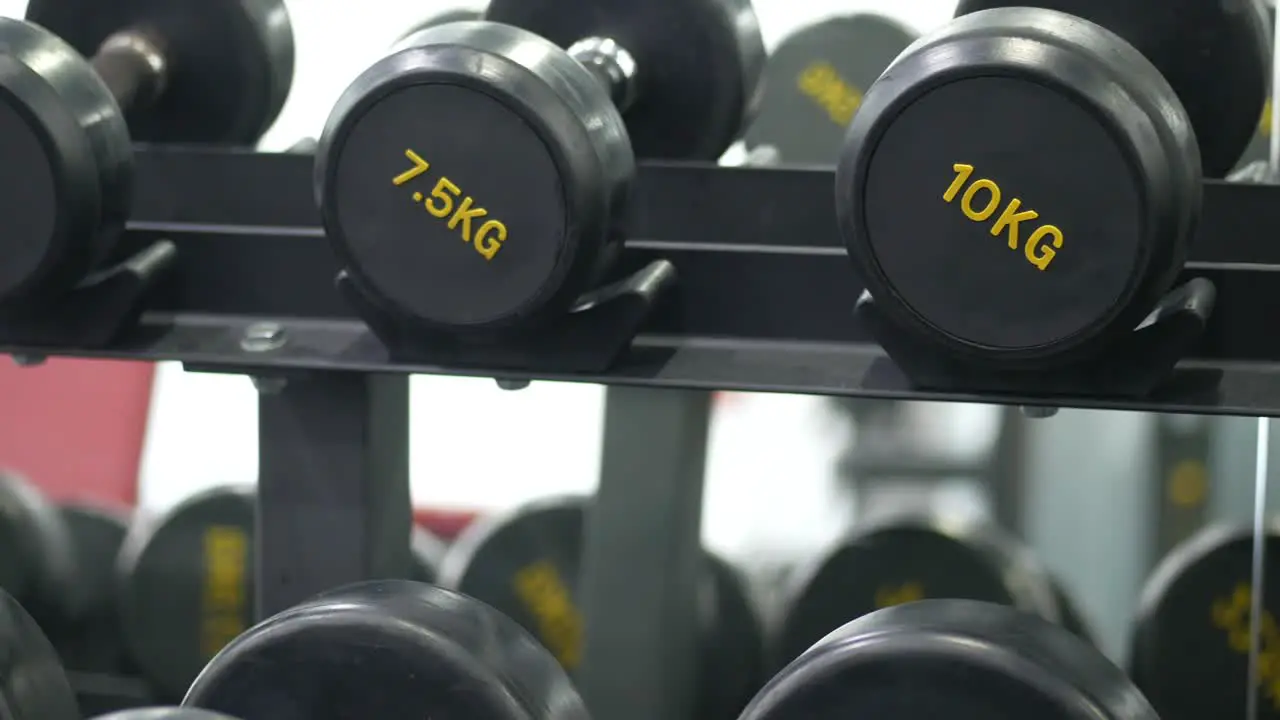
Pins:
x: 187, y: 583
x: 177, y: 71
x: 387, y: 649
x: 954, y: 659
x: 1194, y: 629
x: 562, y: 96
x: 814, y: 81
x: 526, y: 564
x: 918, y: 557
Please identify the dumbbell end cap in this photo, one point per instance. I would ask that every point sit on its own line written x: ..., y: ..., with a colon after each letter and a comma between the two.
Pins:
x: 51, y: 201
x: 470, y: 118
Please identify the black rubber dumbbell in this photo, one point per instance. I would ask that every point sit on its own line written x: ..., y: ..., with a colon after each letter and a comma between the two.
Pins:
x: 387, y: 649
x: 1195, y: 626
x: 161, y: 71
x: 526, y: 563
x: 1019, y: 192
x: 187, y: 583
x: 916, y: 557
x: 950, y: 658
x: 475, y: 180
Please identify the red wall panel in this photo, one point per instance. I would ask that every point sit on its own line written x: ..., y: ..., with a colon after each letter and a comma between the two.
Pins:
x: 76, y: 427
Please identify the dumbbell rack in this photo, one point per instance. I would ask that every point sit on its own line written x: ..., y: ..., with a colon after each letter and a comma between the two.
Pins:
x: 764, y: 303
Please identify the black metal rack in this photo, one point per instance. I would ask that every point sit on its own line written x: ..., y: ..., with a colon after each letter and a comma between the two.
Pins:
x: 764, y: 302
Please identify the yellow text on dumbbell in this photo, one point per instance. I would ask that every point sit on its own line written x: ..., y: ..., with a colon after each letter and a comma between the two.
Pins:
x: 898, y: 594
x: 223, y: 601
x: 446, y: 201
x: 822, y: 83
x: 545, y: 594
x: 1009, y: 220
x: 1232, y: 614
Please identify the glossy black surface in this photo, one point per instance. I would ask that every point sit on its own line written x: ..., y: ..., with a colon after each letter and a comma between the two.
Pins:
x: 390, y: 649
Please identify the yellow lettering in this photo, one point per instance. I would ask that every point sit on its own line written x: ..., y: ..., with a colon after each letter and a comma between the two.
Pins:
x: 1010, y: 218
x: 966, y: 202
x: 489, y: 245
x: 1232, y: 614
x: 419, y: 166
x: 897, y: 595
x: 962, y: 176
x: 444, y: 191
x: 1264, y: 125
x: 545, y: 595
x: 1042, y: 256
x: 224, y: 607
x: 1188, y: 484
x: 464, y: 215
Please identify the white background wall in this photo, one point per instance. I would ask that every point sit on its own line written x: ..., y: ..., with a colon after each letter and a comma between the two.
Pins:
x: 770, y: 472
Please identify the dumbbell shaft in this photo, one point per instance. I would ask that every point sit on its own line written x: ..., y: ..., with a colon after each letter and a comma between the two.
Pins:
x: 612, y: 65
x: 133, y: 66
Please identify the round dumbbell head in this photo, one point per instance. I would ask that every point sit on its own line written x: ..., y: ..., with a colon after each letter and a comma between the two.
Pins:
x: 526, y: 564
x: 904, y: 560
x: 67, y: 164
x: 698, y: 63
x: 33, y: 685
x: 1190, y: 652
x: 94, y: 643
x: 471, y: 182
x: 1051, y: 210
x: 229, y: 63
x: 958, y: 659
x: 814, y: 82
x: 158, y: 713
x: 387, y: 649
x: 38, y: 564
x: 1216, y: 55
x: 187, y: 587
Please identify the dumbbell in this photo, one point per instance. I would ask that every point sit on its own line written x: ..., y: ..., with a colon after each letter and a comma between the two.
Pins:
x: 526, y: 564
x: 950, y: 658
x: 1050, y: 165
x: 916, y: 557
x: 165, y: 713
x: 475, y: 180
x: 193, y: 71
x: 186, y: 583
x: 1191, y: 639
x: 813, y: 84
x: 33, y: 685
x: 93, y: 643
x: 387, y: 649
x: 38, y: 566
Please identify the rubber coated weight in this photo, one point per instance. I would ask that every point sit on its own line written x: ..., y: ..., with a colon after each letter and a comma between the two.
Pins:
x: 38, y: 565
x: 387, y: 649
x: 910, y: 559
x: 959, y: 659
x: 1049, y: 212
x: 1215, y: 55
x: 814, y: 82
x: 186, y: 585
x: 182, y: 71
x: 1191, y: 639
x: 469, y: 203
x: 230, y: 61
x: 187, y: 582
x: 526, y: 564
x: 94, y: 643
x: 177, y: 713
x: 33, y: 685
x: 698, y: 64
